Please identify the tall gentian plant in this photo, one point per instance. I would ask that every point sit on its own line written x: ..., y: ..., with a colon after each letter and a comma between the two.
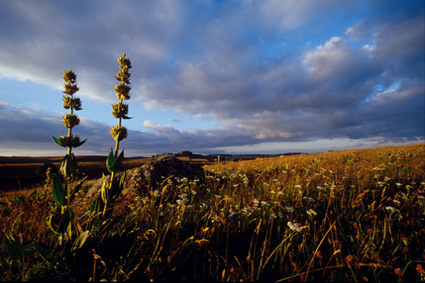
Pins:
x: 60, y: 221
x: 110, y: 191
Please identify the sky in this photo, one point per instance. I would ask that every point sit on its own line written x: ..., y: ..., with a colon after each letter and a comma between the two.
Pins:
x: 215, y: 77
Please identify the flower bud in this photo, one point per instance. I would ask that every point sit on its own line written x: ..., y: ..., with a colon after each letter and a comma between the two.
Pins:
x: 120, y: 110
x: 119, y: 133
x: 70, y: 120
x: 70, y: 88
x: 71, y: 102
x: 122, y: 91
x: 123, y: 76
x: 124, y: 62
x: 69, y: 77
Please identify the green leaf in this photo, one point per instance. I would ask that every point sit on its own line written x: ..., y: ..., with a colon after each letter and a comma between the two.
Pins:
x: 104, y: 190
x: 49, y: 224
x: 117, y: 186
x: 79, y: 143
x: 97, y: 206
x: 81, y: 239
x: 114, y: 163
x: 126, y: 117
x: 68, y: 165
x: 58, y: 190
x: 58, y: 141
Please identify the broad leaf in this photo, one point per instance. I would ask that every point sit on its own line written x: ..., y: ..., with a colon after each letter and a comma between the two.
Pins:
x: 104, y: 190
x: 79, y: 143
x: 58, y: 141
x: 68, y: 165
x: 81, y: 239
x: 114, y: 163
x: 58, y: 190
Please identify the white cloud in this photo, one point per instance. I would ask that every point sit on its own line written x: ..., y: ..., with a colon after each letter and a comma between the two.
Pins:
x: 208, y: 60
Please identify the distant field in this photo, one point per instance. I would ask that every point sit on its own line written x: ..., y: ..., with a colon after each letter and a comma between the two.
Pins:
x: 347, y: 216
x: 27, y: 172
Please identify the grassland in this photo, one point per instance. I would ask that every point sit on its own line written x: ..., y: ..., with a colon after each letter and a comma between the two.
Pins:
x: 338, y: 216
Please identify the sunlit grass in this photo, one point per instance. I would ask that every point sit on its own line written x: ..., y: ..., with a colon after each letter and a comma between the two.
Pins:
x: 338, y: 216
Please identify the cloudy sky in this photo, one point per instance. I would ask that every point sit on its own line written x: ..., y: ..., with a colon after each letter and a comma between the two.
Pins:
x: 269, y: 76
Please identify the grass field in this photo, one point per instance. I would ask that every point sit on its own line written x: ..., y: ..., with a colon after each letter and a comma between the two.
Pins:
x: 355, y: 215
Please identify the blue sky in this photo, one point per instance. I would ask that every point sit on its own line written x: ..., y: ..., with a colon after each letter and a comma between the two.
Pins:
x: 270, y: 76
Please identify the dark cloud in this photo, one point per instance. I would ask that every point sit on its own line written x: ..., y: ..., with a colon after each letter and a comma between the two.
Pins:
x: 360, y: 82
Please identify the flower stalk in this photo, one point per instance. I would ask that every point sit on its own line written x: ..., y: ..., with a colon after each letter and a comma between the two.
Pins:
x: 61, y: 220
x: 110, y: 191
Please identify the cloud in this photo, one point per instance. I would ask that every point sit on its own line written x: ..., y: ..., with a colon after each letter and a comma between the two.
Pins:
x: 231, y: 61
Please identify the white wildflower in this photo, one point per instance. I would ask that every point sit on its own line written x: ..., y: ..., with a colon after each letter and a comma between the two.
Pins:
x: 182, y: 201
x: 390, y: 208
x: 294, y: 226
x: 310, y: 199
x: 156, y: 194
x: 311, y: 212
x: 182, y: 196
x: 289, y: 209
x: 204, y: 206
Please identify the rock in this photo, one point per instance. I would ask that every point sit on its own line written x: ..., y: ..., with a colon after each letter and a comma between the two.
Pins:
x: 140, y: 179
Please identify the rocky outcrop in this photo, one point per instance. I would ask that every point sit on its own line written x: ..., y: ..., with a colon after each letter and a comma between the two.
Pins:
x: 151, y: 175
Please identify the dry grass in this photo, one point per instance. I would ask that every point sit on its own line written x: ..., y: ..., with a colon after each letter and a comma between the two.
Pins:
x: 339, y: 216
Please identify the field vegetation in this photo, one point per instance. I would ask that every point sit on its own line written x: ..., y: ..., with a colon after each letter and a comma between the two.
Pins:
x: 354, y: 215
